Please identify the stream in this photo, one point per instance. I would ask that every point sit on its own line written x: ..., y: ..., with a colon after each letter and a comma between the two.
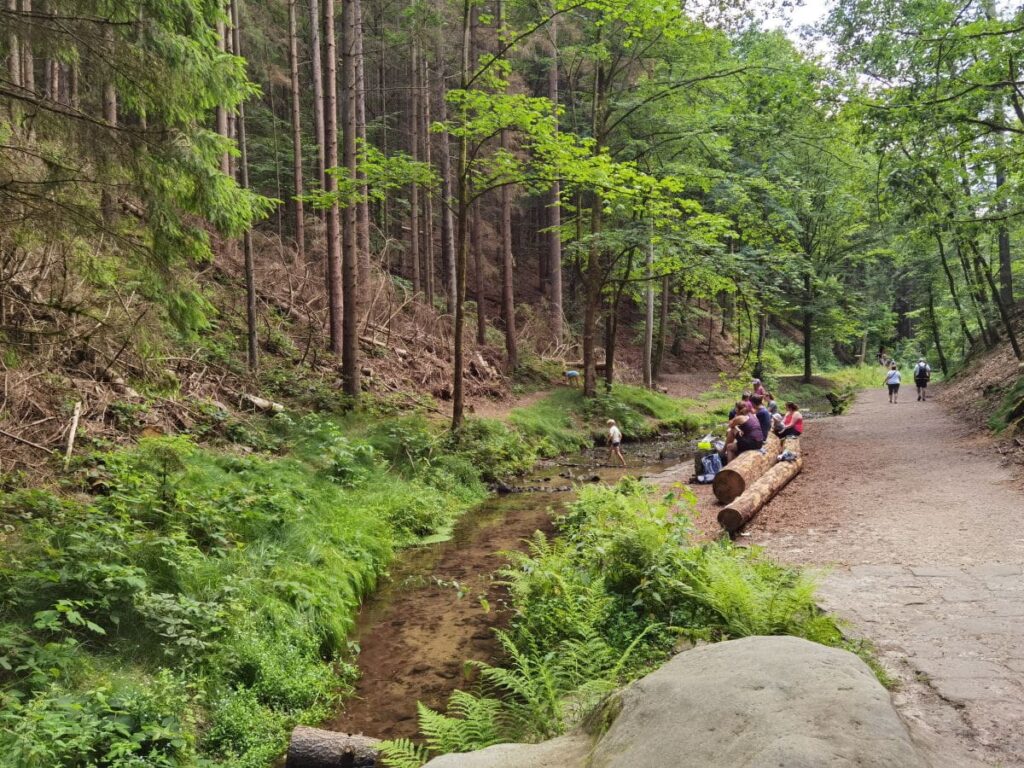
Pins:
x: 440, y: 604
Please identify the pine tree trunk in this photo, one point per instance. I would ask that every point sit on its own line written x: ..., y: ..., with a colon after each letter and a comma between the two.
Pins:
x: 316, y: 62
x: 13, y: 49
x: 414, y: 195
x: 659, y: 353
x: 293, y: 64
x: 429, y: 267
x: 350, y: 244
x: 648, y: 363
x: 478, y: 263
x: 28, y: 64
x: 555, y: 207
x: 222, y: 113
x: 808, y: 325
x: 363, y: 213
x: 334, y: 268
x: 252, y: 341
x: 458, y: 392
x: 447, y: 222
x: 108, y: 206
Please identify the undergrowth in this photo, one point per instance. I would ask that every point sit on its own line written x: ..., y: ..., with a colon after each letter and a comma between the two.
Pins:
x: 604, y: 603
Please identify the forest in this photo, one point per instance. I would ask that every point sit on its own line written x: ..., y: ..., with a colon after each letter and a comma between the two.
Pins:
x: 375, y: 215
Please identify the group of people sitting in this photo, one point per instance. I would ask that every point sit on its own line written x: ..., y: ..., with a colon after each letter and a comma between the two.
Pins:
x: 756, y: 416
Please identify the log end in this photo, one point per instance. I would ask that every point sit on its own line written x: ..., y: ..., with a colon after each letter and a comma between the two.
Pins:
x: 730, y: 520
x: 727, y: 486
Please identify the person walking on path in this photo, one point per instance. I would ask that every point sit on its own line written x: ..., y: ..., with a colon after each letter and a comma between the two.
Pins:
x: 922, y: 373
x: 615, y: 442
x: 892, y: 381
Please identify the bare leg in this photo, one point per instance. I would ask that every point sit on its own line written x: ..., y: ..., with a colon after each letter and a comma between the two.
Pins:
x: 618, y: 452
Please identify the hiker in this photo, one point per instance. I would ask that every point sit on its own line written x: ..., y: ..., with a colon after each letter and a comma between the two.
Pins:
x: 892, y: 381
x: 922, y: 373
x: 744, y: 399
x: 572, y: 378
x: 757, y: 388
x: 792, y: 422
x: 763, y: 415
x: 744, y: 432
x: 615, y: 442
x: 770, y: 404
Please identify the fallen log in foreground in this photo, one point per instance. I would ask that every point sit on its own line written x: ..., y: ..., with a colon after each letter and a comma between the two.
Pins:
x: 742, y: 471
x: 743, y: 509
x: 316, y: 748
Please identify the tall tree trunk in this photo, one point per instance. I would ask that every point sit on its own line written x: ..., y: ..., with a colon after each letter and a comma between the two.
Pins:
x: 976, y: 292
x: 319, y: 123
x: 462, y: 176
x: 649, y: 315
x: 808, y: 326
x: 429, y: 267
x: 363, y: 212
x: 293, y: 65
x: 414, y: 195
x: 222, y: 112
x: 594, y: 277
x: 334, y: 268
x: 13, y: 49
x: 952, y: 291
x: 108, y: 205
x: 28, y: 64
x: 508, y: 306
x: 447, y: 222
x: 252, y: 342
x: 350, y: 368
x: 478, y: 263
x: 555, y: 207
x: 611, y: 329
x: 659, y: 352
x: 1004, y: 313
x: 936, y: 335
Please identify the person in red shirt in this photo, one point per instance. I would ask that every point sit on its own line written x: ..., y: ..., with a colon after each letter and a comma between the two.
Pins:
x: 792, y: 422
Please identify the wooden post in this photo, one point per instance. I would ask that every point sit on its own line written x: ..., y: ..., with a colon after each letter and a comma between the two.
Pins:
x: 72, y: 432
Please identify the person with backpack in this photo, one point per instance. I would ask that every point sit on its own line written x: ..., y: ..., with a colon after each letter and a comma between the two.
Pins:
x: 892, y: 381
x: 922, y: 373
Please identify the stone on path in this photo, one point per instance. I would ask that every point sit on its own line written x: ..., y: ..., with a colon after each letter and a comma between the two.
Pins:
x: 759, y: 702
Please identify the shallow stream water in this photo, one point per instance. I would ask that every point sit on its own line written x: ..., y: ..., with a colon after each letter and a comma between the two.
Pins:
x: 441, y: 604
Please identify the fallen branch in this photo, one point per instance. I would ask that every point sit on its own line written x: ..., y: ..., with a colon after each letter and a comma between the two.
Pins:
x: 72, y: 432
x: 26, y: 442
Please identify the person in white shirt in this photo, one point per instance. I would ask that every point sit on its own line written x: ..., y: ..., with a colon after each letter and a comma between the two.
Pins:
x: 615, y: 442
x: 922, y: 373
x: 892, y: 381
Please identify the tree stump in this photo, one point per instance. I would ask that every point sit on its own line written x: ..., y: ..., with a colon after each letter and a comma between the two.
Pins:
x: 316, y: 748
x: 742, y: 471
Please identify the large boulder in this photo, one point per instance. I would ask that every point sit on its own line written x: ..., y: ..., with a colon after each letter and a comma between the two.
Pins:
x: 760, y: 702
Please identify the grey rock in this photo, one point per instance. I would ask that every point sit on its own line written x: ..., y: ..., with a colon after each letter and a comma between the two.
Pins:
x: 759, y: 702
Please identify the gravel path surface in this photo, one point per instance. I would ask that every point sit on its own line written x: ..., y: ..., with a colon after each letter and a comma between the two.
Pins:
x: 921, y: 531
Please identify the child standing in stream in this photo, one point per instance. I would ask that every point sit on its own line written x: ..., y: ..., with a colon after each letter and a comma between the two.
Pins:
x: 615, y: 441
x: 892, y: 381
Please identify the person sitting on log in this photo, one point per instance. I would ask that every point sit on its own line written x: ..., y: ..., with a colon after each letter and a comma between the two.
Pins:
x: 744, y: 399
x: 764, y: 416
x: 744, y: 432
x: 770, y: 404
x: 792, y: 422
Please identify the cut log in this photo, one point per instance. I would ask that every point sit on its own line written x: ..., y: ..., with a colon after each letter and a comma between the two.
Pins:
x: 262, y: 404
x: 743, y: 509
x: 742, y: 471
x: 316, y: 748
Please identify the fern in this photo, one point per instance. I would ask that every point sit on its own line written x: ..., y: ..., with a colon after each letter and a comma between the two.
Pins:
x: 403, y: 753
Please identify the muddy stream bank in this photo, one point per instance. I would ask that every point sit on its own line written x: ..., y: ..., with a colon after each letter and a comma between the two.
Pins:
x: 440, y: 605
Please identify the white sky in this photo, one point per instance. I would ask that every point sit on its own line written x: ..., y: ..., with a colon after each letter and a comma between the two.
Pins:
x: 793, y: 19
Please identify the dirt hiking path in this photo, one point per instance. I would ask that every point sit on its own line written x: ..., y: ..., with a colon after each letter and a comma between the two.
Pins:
x: 922, y: 531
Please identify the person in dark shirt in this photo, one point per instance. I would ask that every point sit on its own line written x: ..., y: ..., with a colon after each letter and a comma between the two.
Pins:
x: 744, y: 432
x: 764, y: 416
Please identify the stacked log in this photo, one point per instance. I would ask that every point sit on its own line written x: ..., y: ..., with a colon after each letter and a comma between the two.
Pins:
x: 742, y: 471
x: 743, y: 509
x: 316, y: 748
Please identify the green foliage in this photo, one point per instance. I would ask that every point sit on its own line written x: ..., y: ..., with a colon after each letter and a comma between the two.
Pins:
x: 603, y: 603
x: 1010, y: 412
x: 230, y: 582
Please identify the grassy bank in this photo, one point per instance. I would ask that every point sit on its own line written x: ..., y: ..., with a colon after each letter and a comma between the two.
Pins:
x: 622, y: 586
x: 185, y: 601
